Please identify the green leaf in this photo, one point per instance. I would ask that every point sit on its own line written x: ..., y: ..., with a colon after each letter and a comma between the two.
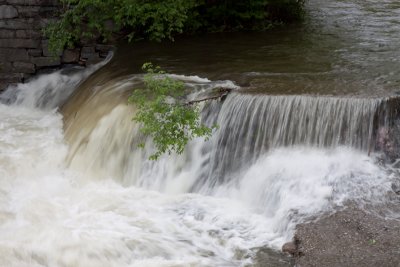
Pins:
x: 162, y: 114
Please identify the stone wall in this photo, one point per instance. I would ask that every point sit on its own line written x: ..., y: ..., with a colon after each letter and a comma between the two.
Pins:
x: 23, y: 48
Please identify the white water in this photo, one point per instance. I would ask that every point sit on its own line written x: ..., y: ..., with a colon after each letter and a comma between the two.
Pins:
x: 109, y: 206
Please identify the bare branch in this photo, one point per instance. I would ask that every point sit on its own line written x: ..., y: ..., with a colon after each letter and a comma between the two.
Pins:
x: 222, y: 93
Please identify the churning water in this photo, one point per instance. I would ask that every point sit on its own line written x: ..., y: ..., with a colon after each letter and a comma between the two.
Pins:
x: 87, y: 196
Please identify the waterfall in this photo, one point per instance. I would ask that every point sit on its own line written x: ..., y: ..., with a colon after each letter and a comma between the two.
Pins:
x: 82, y: 188
x: 251, y: 125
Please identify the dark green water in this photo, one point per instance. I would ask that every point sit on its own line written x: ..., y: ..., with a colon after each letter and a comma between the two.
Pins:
x: 346, y: 47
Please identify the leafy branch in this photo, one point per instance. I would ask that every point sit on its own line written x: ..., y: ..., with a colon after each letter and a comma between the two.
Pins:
x: 164, y: 115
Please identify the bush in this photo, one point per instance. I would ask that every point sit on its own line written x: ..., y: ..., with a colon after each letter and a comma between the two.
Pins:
x: 163, y: 19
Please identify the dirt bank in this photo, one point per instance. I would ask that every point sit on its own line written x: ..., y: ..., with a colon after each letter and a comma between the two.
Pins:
x: 349, y: 238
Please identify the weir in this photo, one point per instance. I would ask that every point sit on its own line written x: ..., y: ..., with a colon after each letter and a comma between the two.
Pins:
x: 249, y: 126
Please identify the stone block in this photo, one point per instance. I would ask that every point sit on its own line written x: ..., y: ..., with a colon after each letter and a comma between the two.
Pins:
x: 34, y: 2
x: 13, y: 54
x: 17, y: 24
x: 5, y: 67
x: 28, y: 34
x: 28, y: 11
x: 24, y: 67
x: 70, y: 56
x: 11, y: 77
x: 4, y: 34
x: 19, y: 43
x: 46, y: 61
x: 35, y: 52
x: 4, y: 85
x: 88, y: 52
x: 8, y: 12
x: 43, y: 22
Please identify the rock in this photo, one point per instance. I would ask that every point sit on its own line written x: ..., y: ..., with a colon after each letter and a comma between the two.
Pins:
x: 350, y: 237
x: 289, y: 247
x: 13, y: 54
x: 34, y: 2
x: 28, y: 11
x: 4, y: 34
x: 35, y: 52
x: 267, y: 257
x: 19, y: 43
x: 11, y: 78
x: 48, y: 11
x: 17, y: 24
x: 24, y: 67
x: 24, y: 34
x: 5, y: 67
x: 70, y: 56
x: 396, y: 187
x: 93, y: 60
x: 4, y: 85
x: 88, y: 52
x: 8, y: 12
x: 46, y: 61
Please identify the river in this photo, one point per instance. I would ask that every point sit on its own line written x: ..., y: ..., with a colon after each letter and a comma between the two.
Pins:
x: 299, y: 135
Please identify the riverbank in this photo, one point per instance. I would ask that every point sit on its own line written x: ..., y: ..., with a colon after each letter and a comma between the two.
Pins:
x: 350, y: 237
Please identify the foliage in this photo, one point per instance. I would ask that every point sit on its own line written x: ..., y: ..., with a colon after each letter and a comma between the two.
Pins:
x: 163, y: 114
x: 163, y: 19
x: 83, y: 19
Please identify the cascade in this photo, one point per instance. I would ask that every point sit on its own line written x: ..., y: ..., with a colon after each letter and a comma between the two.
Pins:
x: 82, y: 188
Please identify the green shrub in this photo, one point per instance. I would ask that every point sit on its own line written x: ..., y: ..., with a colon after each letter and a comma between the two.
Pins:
x: 163, y: 19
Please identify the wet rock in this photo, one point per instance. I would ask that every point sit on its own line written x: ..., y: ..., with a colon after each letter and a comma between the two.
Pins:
x: 290, y: 248
x: 88, y: 52
x: 267, y: 257
x: 396, y: 187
